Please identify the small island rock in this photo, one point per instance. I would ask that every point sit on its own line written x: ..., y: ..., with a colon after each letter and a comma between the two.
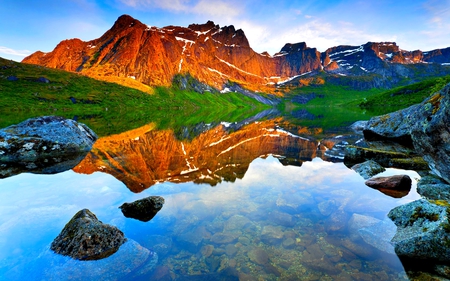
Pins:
x: 143, y: 209
x: 86, y: 238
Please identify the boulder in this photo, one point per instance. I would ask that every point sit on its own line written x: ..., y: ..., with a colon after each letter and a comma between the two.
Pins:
x: 395, y: 186
x: 86, y: 238
x: 130, y: 262
x: 368, y: 169
x: 44, y: 142
x: 143, y: 209
x: 394, y: 126
x: 423, y: 231
x: 386, y: 158
x: 431, y: 133
x: 425, y: 126
x: 433, y: 188
x: 397, y: 182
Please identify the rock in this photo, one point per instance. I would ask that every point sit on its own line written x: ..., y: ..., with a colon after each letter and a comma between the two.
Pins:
x: 272, y: 234
x: 396, y: 159
x: 433, y: 188
x: 258, y: 256
x: 379, y: 235
x: 225, y: 238
x: 86, y: 238
x: 143, y: 209
x: 43, y: 80
x: 358, y: 222
x: 327, y: 207
x: 41, y: 144
x: 397, y: 182
x: 131, y: 257
x: 236, y: 222
x: 431, y: 134
x: 394, y: 126
x: 359, y: 126
x: 368, y: 169
x: 281, y: 218
x: 423, y: 231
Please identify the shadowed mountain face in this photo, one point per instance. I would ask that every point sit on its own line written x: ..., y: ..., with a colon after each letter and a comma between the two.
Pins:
x: 132, y: 52
x: 143, y: 157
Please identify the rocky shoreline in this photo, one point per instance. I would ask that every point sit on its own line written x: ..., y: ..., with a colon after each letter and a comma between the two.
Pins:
x: 416, y: 138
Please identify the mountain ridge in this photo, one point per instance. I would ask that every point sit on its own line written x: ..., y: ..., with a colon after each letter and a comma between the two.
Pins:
x: 217, y: 55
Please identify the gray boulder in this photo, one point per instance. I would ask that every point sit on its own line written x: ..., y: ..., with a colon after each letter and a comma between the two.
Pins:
x: 393, y: 126
x: 368, y: 169
x: 143, y: 209
x: 433, y: 188
x: 431, y: 132
x: 42, y: 142
x: 423, y: 231
x: 86, y: 238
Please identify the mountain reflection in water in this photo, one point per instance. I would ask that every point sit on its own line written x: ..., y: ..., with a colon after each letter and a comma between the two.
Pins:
x: 143, y: 157
x: 280, y: 209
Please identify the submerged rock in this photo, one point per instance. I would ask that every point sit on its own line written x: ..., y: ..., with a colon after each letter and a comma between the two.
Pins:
x: 130, y: 262
x: 48, y: 144
x: 368, y: 169
x: 86, y: 238
x: 423, y: 231
x: 143, y: 209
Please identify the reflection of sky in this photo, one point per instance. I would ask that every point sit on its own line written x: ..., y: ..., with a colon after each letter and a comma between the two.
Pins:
x: 35, y: 208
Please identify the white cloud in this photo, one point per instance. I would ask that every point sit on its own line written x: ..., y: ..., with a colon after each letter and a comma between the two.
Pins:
x: 319, y: 34
x: 216, y: 9
x: 210, y: 8
x: 9, y: 51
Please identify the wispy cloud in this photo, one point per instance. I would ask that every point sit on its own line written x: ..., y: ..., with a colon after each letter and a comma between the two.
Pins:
x: 9, y: 51
x: 211, y: 8
x: 320, y: 34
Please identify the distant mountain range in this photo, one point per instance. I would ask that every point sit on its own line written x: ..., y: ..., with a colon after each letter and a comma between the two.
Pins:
x: 221, y: 56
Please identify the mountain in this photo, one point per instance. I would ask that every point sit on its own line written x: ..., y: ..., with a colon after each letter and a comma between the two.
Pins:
x: 221, y: 56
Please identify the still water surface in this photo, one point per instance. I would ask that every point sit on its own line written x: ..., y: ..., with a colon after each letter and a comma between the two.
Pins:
x: 258, y: 202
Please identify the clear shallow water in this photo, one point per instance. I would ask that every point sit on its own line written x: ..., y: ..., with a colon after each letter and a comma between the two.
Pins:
x: 278, y: 222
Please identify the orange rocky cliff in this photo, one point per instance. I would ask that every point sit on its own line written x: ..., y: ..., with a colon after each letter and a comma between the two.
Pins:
x: 152, y: 56
x: 143, y: 157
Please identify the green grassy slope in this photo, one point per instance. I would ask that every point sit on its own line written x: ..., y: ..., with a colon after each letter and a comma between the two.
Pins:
x: 108, y: 107
x: 402, y: 97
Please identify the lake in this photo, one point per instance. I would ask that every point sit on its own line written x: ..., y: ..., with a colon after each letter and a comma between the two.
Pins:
x: 261, y: 199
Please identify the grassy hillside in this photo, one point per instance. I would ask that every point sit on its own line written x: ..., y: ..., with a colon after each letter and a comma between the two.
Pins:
x: 403, y: 97
x: 30, y: 90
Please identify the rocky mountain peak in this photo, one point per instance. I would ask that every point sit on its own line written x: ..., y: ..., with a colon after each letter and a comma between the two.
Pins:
x: 204, y: 27
x: 293, y: 48
x: 125, y: 21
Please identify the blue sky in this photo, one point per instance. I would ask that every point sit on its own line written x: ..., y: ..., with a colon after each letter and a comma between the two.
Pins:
x: 31, y: 25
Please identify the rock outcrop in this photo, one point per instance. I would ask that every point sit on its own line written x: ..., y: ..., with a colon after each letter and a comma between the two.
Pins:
x: 86, y: 238
x: 48, y: 144
x: 423, y: 231
x: 424, y: 125
x: 368, y: 169
x: 143, y: 209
